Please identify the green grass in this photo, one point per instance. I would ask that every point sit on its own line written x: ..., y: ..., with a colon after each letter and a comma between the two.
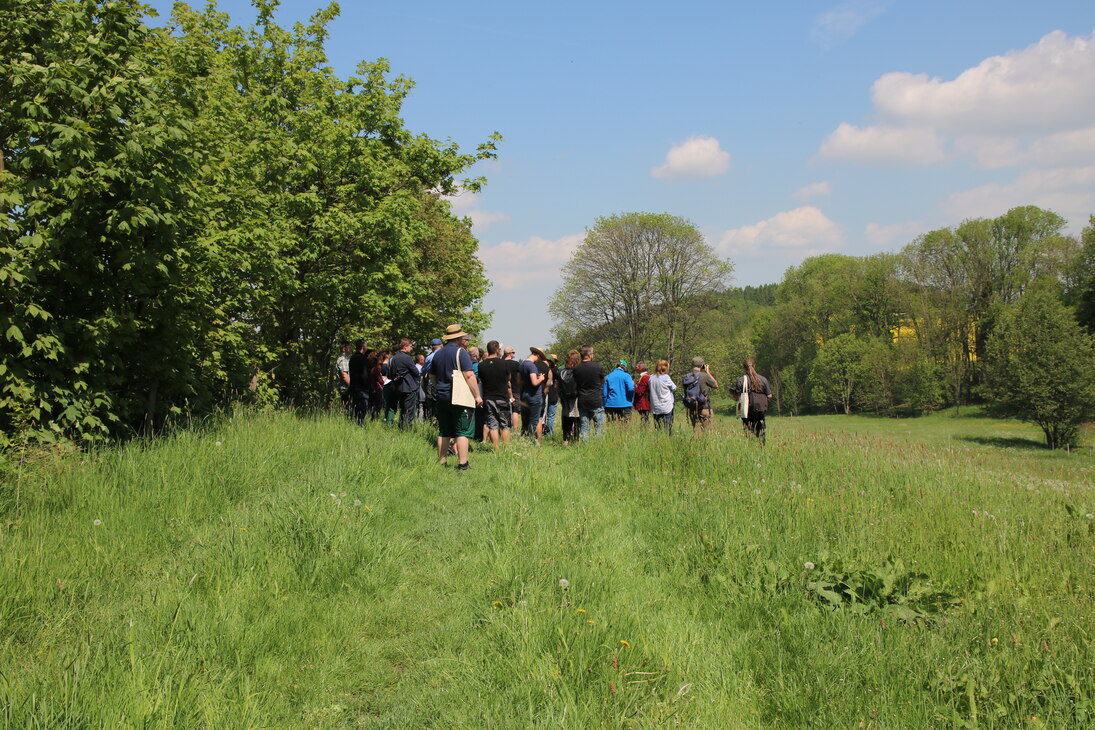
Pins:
x: 283, y: 571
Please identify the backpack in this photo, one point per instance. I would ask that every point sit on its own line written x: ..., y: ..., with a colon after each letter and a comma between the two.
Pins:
x: 693, y: 393
x: 567, y: 385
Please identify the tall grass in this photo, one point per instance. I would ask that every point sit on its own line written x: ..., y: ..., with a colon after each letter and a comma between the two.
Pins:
x: 284, y: 571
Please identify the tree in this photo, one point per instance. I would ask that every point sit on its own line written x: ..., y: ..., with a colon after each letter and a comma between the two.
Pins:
x: 1041, y: 367
x: 638, y: 274
x: 182, y: 210
x: 837, y: 371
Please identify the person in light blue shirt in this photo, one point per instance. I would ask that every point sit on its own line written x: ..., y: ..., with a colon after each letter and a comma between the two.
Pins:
x: 618, y: 393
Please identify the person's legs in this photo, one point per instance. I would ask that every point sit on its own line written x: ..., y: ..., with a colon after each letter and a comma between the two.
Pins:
x: 408, y: 408
x: 549, y: 419
x: 361, y: 406
x: 464, y: 422
x: 669, y: 422
x: 584, y: 417
x: 599, y: 421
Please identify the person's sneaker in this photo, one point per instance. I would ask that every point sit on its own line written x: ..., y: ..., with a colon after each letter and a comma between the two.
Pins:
x: 463, y: 467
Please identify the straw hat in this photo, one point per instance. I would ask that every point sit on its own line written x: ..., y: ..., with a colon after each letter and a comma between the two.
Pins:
x: 454, y: 332
x: 538, y: 351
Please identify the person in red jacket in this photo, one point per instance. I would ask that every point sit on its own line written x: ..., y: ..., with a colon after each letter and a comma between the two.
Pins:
x: 642, y: 392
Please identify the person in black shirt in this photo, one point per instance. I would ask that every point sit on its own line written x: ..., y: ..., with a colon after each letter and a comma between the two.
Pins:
x: 552, y: 394
x: 404, y: 383
x: 515, y: 382
x: 359, y: 381
x: 590, y: 379
x: 494, y: 374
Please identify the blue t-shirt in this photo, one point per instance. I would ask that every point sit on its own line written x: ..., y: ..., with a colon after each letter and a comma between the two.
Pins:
x: 528, y: 390
x: 448, y: 358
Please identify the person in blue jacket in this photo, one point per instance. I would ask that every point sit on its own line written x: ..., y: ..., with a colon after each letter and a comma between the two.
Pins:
x: 618, y: 392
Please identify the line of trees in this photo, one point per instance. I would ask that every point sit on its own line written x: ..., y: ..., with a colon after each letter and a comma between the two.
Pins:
x: 995, y: 310
x: 202, y: 210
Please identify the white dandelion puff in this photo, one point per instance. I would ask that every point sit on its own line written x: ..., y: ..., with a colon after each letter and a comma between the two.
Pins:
x: 808, y: 565
x: 96, y: 522
x: 564, y: 583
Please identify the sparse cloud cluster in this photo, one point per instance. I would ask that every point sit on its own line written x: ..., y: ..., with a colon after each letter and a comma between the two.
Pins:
x: 466, y: 205
x: 837, y: 24
x: 513, y: 264
x: 694, y: 159
x: 1030, y: 109
x: 794, y: 234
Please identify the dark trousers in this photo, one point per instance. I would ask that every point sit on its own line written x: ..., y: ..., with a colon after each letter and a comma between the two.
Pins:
x: 408, y: 408
x: 570, y: 428
x: 361, y: 405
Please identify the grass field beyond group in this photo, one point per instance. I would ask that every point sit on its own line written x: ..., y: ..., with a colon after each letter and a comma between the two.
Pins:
x: 279, y: 570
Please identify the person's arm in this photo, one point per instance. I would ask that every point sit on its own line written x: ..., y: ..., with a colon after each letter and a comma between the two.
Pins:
x: 672, y: 385
x: 535, y: 378
x: 629, y: 389
x: 714, y: 383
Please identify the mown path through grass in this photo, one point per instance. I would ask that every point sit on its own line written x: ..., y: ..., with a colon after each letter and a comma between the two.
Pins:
x: 278, y: 571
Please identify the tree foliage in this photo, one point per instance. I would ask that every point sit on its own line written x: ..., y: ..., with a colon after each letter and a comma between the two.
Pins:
x: 196, y: 213
x: 1042, y: 367
x: 635, y: 280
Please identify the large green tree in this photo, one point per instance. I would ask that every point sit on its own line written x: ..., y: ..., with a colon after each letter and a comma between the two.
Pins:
x: 183, y: 211
x: 1041, y: 367
x: 636, y: 278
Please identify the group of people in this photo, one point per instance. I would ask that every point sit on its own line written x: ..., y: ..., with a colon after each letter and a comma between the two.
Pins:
x: 487, y: 395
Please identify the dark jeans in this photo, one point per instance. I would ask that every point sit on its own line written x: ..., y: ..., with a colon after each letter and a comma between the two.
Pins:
x: 531, y: 409
x: 644, y: 415
x: 361, y: 405
x: 618, y: 414
x: 570, y: 428
x: 407, y: 404
x: 664, y: 421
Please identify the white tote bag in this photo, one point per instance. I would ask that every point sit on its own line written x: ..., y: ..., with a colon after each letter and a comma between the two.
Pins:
x: 461, y: 391
x: 743, y: 399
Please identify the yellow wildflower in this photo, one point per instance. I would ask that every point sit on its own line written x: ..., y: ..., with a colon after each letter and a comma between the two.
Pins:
x: 625, y: 643
x: 590, y: 621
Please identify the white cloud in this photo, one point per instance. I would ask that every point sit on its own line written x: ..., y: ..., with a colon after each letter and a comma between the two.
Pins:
x: 813, y: 190
x: 512, y: 264
x: 883, y: 145
x: 696, y: 158
x: 1067, y: 191
x: 840, y: 23
x: 879, y: 235
x: 1030, y: 107
x: 465, y: 205
x: 797, y: 233
x: 1073, y: 147
x: 1047, y: 86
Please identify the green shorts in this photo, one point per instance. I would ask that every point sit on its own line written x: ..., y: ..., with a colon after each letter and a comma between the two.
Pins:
x: 455, y: 421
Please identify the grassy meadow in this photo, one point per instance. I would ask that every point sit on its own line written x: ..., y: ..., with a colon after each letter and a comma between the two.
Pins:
x: 279, y: 570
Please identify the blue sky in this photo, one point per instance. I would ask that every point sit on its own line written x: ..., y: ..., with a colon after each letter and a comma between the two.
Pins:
x: 782, y: 129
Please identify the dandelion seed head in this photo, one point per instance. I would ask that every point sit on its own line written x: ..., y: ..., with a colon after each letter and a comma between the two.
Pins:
x: 1090, y: 516
x: 564, y: 583
x: 808, y: 565
x: 357, y: 502
x: 96, y: 522
x: 217, y: 443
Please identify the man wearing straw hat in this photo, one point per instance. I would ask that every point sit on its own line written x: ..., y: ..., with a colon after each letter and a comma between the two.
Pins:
x: 454, y: 421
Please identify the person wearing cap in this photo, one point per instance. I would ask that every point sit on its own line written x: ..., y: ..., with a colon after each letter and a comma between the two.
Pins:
x: 454, y: 422
x: 428, y: 408
x: 700, y: 416
x: 618, y: 393
x: 532, y: 393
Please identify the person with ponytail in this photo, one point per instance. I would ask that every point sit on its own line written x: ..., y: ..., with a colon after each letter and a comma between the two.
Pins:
x: 756, y: 385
